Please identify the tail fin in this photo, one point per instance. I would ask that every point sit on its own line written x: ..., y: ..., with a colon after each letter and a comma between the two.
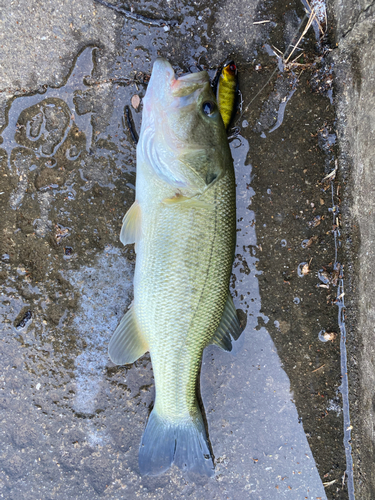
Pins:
x: 184, y: 443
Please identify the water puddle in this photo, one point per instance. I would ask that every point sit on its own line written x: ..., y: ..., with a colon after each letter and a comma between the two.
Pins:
x: 254, y: 425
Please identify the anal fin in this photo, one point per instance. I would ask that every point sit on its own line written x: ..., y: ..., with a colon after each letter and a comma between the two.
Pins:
x: 127, y: 343
x: 131, y: 225
x: 229, y: 328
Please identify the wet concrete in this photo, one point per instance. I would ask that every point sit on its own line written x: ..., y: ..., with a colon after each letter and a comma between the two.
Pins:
x: 71, y: 421
x: 354, y: 67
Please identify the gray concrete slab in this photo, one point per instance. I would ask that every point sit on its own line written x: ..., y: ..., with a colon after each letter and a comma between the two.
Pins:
x: 71, y: 422
x: 355, y: 102
x: 39, y: 41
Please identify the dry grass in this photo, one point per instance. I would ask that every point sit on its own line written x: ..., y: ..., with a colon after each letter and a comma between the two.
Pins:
x: 312, y: 17
x: 289, y: 65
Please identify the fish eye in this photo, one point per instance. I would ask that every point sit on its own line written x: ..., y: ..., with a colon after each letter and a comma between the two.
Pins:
x: 208, y: 107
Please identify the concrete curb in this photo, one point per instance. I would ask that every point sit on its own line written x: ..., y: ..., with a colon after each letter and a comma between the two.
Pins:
x: 355, y: 107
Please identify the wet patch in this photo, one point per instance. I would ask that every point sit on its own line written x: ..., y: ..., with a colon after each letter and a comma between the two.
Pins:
x: 105, y: 291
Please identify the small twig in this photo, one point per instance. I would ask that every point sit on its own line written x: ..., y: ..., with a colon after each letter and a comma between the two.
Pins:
x: 317, y: 20
x: 329, y: 483
x: 343, y: 480
x: 320, y: 367
x: 312, y: 16
x: 262, y: 22
x: 298, y: 65
x: 325, y: 18
x: 294, y: 60
x: 332, y: 174
x: 138, y: 17
x: 278, y: 50
x: 241, y: 101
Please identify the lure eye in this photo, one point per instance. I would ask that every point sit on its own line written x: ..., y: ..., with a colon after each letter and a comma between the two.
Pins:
x: 208, y: 108
x: 232, y: 67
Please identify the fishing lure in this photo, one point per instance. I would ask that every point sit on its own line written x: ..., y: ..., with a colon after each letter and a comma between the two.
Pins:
x: 226, y: 92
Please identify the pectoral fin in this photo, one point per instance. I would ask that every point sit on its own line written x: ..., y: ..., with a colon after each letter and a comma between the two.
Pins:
x: 127, y: 343
x: 131, y: 225
x: 229, y: 328
x: 188, y: 202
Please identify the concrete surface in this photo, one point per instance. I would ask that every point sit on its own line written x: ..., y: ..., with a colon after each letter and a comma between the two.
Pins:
x: 71, y: 422
x: 355, y: 104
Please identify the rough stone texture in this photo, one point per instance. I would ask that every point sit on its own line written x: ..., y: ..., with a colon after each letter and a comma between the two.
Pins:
x: 355, y: 101
x: 46, y: 29
x: 40, y: 40
x: 71, y: 422
x: 350, y: 14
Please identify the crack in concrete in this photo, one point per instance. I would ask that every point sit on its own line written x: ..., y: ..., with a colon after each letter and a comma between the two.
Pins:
x: 358, y: 19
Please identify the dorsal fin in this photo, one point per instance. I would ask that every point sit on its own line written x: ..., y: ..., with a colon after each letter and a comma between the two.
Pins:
x: 229, y: 328
x: 127, y: 343
x: 131, y: 225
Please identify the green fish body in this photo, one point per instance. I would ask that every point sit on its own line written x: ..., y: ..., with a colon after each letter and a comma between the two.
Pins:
x: 183, y: 227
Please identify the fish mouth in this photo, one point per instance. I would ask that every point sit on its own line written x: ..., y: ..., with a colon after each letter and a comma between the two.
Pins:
x: 164, y: 86
x: 162, y: 71
x: 158, y: 88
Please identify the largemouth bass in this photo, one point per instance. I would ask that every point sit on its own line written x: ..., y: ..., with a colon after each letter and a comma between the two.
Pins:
x: 183, y: 226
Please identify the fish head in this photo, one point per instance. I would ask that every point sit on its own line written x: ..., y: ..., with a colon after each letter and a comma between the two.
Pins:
x: 183, y: 136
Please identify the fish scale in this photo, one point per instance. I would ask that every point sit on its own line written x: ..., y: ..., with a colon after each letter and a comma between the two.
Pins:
x: 161, y: 273
x: 183, y: 226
